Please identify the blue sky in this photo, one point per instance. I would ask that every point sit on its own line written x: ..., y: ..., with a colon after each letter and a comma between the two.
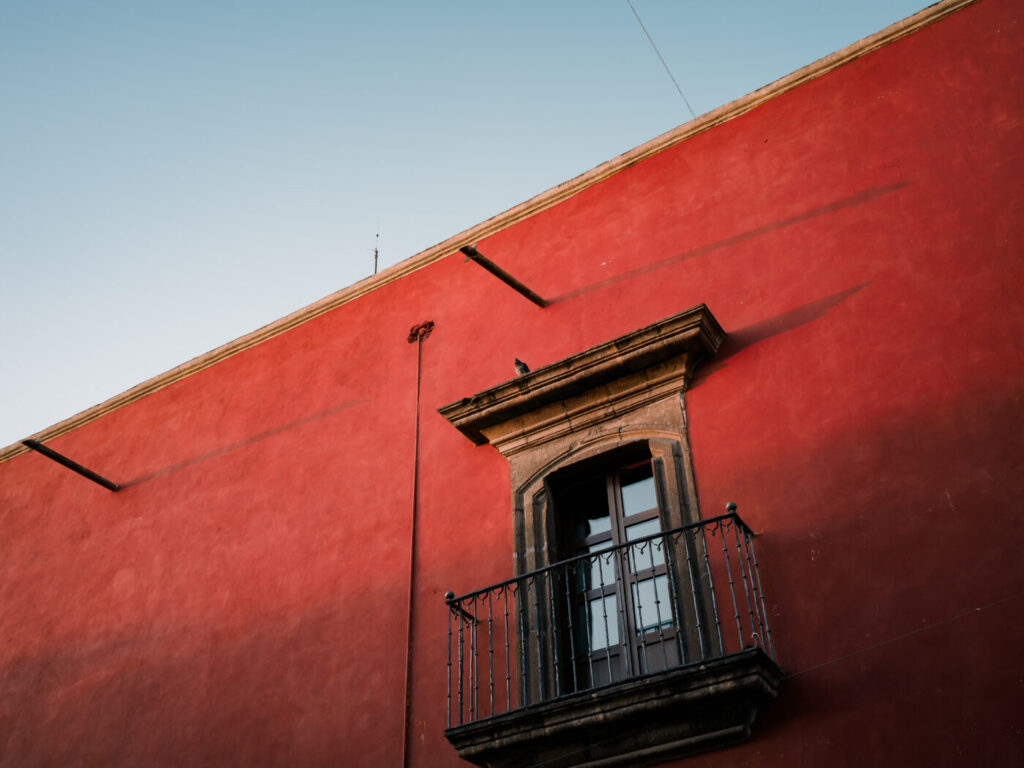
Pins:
x: 174, y: 175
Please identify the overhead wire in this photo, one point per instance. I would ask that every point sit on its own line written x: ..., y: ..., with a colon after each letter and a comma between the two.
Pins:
x: 661, y: 59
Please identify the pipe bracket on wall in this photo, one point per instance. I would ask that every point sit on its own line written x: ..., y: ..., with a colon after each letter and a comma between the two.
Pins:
x: 472, y: 254
x: 74, y: 466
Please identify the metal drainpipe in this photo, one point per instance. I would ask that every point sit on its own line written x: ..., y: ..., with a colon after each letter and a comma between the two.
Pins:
x: 416, y: 336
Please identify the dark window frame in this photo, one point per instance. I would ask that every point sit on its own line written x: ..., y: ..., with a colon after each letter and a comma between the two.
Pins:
x: 540, y: 542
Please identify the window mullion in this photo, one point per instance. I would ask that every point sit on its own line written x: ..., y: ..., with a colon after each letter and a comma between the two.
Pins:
x: 626, y: 577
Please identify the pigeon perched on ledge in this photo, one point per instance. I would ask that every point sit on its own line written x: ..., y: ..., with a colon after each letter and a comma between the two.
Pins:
x: 521, y: 367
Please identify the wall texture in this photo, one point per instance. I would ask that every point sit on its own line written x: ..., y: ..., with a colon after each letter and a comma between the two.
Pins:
x: 244, y: 599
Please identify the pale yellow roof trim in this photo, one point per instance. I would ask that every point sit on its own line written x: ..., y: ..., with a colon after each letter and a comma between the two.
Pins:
x: 505, y: 219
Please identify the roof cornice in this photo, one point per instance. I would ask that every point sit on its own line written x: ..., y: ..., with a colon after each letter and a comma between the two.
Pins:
x: 517, y: 213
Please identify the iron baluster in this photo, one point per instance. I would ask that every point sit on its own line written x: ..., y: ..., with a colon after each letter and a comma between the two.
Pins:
x: 673, y: 586
x: 743, y: 579
x: 448, y: 699
x: 541, y: 687
x: 692, y: 572
x: 523, y: 643
x: 508, y: 665
x: 638, y: 610
x: 490, y: 650
x: 623, y: 627
x: 604, y: 612
x: 743, y: 574
x: 657, y: 606
x: 472, y: 662
x: 764, y: 610
x: 572, y: 634
x: 555, y: 651
x: 711, y: 588
x: 460, y: 665
x: 762, y: 638
x: 732, y: 584
x: 586, y: 632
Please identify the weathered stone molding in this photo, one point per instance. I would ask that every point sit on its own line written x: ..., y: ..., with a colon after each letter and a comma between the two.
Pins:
x: 578, y: 392
x: 648, y: 720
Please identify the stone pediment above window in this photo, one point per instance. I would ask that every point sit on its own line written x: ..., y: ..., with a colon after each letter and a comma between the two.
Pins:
x: 593, y: 386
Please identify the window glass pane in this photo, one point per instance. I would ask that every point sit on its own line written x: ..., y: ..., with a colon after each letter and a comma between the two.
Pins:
x: 604, y: 622
x: 650, y: 553
x: 588, y: 501
x: 596, y: 571
x: 638, y: 496
x: 651, y: 603
x: 597, y: 522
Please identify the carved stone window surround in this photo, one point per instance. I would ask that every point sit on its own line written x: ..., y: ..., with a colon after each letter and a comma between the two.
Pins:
x: 622, y: 397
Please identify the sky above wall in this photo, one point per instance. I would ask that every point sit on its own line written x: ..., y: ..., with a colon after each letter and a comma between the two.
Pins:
x: 175, y: 175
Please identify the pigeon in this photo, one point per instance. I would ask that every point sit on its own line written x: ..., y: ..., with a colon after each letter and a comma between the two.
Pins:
x: 521, y: 367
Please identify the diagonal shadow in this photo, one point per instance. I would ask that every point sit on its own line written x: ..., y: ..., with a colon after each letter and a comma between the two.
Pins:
x: 846, y: 202
x: 247, y: 441
x: 748, y: 335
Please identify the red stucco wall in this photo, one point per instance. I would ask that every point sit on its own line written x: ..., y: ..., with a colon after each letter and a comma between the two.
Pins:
x: 244, y: 599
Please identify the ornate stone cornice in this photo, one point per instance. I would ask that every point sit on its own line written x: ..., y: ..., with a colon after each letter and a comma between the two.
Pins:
x: 607, y: 380
x: 499, y: 222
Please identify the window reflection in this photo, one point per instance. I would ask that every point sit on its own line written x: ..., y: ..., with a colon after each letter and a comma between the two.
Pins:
x: 651, y: 604
x: 639, y: 496
x: 649, y: 553
x: 598, y: 570
x: 604, y: 622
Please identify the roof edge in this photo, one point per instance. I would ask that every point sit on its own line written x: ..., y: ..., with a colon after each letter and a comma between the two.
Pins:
x: 507, y: 218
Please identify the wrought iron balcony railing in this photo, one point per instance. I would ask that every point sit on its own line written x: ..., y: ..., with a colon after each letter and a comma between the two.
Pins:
x: 668, y: 600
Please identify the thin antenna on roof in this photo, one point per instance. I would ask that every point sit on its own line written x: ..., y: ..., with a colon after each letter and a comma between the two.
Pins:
x: 669, y: 71
x: 376, y: 250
